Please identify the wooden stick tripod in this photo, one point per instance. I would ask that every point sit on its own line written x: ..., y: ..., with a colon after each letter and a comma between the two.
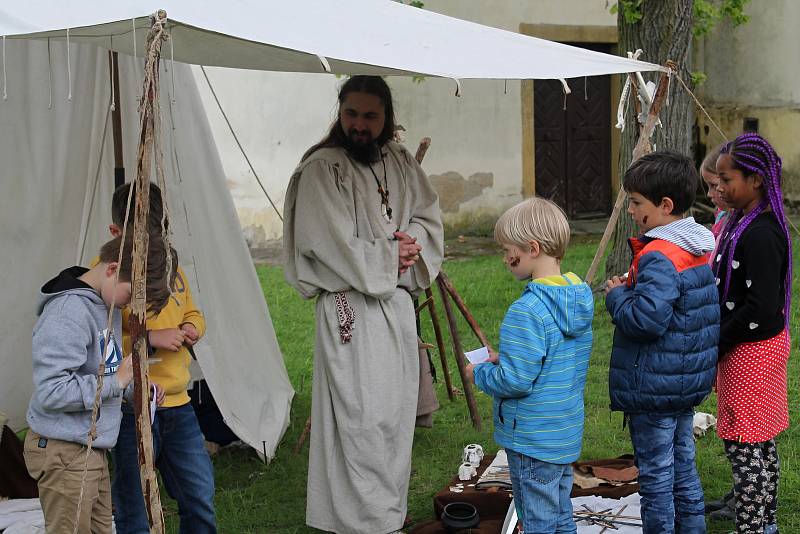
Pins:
x: 448, y: 293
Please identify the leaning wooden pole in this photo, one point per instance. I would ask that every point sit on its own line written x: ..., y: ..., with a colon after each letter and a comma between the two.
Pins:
x: 148, y: 107
x: 437, y: 331
x: 116, y: 119
x: 459, y: 350
x: 642, y: 148
x: 462, y: 307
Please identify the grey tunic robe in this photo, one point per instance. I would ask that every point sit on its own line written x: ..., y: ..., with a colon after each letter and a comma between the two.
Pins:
x: 365, y: 392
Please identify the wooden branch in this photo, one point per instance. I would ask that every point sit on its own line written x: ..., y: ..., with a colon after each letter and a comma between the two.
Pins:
x: 422, y: 306
x: 642, y: 148
x: 462, y: 307
x: 303, y: 436
x: 437, y: 330
x: 422, y: 149
x: 141, y: 240
x: 451, y: 321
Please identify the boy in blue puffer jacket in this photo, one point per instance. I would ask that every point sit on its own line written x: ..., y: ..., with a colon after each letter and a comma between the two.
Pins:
x: 665, y: 344
x: 538, y: 381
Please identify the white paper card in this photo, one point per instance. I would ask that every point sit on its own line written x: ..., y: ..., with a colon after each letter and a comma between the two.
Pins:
x: 478, y: 355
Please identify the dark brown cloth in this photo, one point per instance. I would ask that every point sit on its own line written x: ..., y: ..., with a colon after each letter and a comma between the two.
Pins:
x: 15, y: 482
x: 490, y: 526
x: 491, y: 503
x: 427, y: 402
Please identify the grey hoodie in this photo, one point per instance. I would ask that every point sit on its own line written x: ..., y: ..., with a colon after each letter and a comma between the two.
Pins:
x: 687, y: 234
x: 68, y: 342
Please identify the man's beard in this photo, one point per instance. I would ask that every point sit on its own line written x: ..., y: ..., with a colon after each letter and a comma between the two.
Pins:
x: 365, y: 151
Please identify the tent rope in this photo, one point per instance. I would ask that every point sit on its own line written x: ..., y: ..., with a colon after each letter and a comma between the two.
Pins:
x: 5, y: 92
x: 162, y: 181
x: 236, y: 138
x: 699, y: 105
x: 49, y: 75
x: 69, y: 72
x: 94, y: 187
x: 172, y: 67
x: 154, y: 39
x: 102, y: 368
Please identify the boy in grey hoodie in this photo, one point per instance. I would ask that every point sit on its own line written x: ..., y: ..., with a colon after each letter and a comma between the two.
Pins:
x: 69, y: 340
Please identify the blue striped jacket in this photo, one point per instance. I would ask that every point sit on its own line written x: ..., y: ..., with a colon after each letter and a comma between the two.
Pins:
x: 545, y: 343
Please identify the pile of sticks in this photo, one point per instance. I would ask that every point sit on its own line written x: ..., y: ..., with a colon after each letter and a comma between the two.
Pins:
x: 607, y: 518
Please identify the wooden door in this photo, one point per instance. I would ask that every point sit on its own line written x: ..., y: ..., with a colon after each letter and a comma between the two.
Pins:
x: 573, y: 145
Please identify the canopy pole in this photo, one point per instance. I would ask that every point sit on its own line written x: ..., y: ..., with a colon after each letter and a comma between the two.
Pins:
x: 116, y: 119
x: 148, y: 108
x: 642, y: 147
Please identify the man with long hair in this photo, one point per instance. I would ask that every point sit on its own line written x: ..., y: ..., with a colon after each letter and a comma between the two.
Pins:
x: 363, y: 234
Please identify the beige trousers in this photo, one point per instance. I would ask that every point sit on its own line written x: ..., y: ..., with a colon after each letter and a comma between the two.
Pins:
x: 57, y: 466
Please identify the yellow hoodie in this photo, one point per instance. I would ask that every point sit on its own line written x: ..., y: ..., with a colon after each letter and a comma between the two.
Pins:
x: 172, y: 371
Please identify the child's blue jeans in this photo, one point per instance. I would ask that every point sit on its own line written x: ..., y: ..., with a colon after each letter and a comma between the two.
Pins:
x: 670, y: 490
x: 185, y: 468
x: 541, y: 494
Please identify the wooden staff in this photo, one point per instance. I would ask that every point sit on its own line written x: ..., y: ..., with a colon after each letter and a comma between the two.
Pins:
x: 424, y: 144
x: 422, y: 149
x: 141, y: 239
x: 642, y: 148
x: 459, y: 350
x: 437, y: 330
x: 462, y: 307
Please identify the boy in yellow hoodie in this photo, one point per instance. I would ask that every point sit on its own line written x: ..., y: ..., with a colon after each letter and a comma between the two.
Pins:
x: 178, y: 443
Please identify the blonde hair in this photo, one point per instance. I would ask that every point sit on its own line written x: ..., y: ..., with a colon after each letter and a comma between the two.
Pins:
x: 710, y: 161
x: 534, y: 219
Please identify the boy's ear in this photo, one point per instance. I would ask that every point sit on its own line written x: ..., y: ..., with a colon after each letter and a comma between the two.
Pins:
x: 536, y: 249
x: 114, y: 230
x: 667, y: 205
x: 111, y: 268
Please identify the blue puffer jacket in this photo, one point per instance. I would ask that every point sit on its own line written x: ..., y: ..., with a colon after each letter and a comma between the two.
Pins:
x: 667, y: 323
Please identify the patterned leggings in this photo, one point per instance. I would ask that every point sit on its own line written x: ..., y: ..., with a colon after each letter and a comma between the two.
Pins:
x: 756, y: 470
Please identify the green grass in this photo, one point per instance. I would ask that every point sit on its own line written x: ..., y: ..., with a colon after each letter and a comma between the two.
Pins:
x: 257, y: 498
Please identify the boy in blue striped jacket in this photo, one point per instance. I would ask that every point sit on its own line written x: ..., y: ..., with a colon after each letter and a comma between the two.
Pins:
x: 537, y: 380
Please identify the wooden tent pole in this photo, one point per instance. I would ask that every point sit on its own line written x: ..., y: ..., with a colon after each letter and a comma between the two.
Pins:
x: 149, y: 106
x: 642, y: 148
x: 462, y: 307
x: 437, y: 331
x: 459, y: 354
x: 116, y: 120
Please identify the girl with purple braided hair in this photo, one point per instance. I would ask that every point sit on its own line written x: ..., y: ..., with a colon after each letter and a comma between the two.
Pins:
x: 753, y: 273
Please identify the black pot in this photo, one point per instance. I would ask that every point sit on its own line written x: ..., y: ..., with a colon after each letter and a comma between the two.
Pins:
x: 459, y: 516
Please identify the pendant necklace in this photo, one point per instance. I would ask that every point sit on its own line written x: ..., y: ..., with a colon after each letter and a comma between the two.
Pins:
x: 383, y: 191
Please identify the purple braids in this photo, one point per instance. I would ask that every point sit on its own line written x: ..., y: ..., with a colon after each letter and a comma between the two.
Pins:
x: 752, y: 154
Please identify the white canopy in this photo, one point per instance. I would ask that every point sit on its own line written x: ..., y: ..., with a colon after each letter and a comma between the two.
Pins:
x: 56, y: 182
x: 343, y: 37
x: 56, y: 162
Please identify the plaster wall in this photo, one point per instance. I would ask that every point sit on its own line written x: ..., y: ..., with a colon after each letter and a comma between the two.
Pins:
x: 475, y: 159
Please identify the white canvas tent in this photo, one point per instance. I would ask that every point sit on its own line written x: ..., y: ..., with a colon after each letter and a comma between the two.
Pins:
x: 56, y: 163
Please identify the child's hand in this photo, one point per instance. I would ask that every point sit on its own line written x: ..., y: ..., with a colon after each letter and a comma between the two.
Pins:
x: 125, y: 372
x: 160, y: 394
x: 167, y: 338
x: 494, y: 357
x: 615, y: 281
x: 470, y: 372
x: 190, y: 334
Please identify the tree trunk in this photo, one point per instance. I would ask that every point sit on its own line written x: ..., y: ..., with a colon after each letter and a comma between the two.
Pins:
x: 664, y: 32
